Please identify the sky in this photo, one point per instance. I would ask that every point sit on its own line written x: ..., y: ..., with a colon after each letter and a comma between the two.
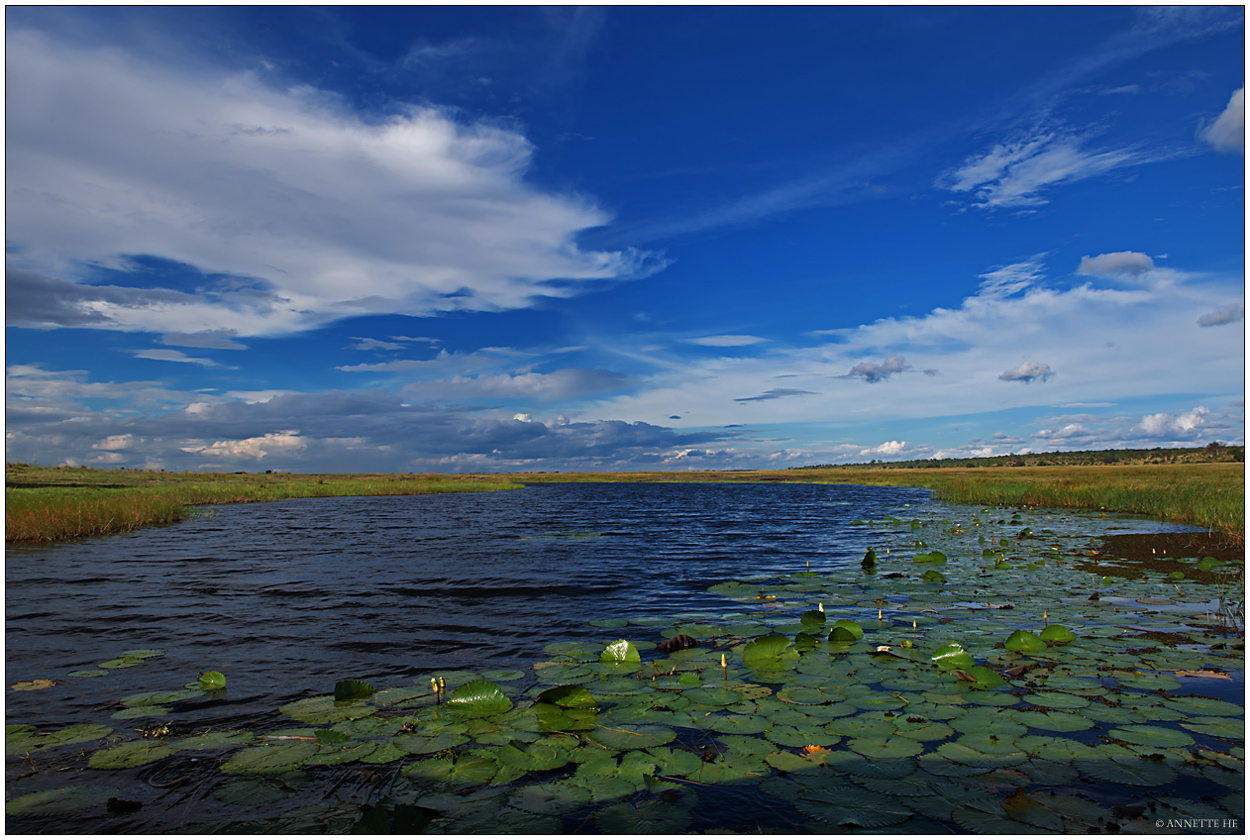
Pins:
x: 507, y: 239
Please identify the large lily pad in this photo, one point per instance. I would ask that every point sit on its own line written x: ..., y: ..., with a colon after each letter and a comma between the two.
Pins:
x: 477, y: 699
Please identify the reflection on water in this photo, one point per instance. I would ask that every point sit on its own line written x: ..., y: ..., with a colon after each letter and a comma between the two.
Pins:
x: 285, y: 598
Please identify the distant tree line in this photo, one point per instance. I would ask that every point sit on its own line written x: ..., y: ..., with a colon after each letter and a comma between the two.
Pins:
x: 1212, y: 452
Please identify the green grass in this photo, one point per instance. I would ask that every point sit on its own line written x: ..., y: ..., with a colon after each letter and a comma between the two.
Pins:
x: 53, y: 503
x: 43, y: 504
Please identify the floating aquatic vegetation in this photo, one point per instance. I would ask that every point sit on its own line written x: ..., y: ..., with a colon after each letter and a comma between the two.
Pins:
x: 975, y: 704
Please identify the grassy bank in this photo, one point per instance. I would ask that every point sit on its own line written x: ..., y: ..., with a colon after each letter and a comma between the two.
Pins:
x: 55, y: 503
x: 1210, y: 495
x: 52, y: 503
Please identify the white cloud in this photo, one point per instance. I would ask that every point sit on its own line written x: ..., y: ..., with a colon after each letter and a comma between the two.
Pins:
x: 561, y: 384
x: 1124, y: 264
x: 1103, y: 338
x: 1159, y: 425
x: 878, y: 371
x: 159, y: 355
x: 219, y: 340
x: 285, y: 443
x: 1009, y: 279
x: 1228, y: 314
x: 115, y: 442
x: 1012, y: 174
x: 376, y: 344
x: 1228, y: 132
x: 297, y: 210
x: 892, y: 447
x: 1027, y: 372
x: 725, y: 340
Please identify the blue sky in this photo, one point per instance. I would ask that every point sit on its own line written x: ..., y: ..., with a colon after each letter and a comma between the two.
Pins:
x: 506, y: 239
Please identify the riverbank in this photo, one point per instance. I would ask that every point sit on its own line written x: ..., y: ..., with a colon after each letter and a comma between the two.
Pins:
x: 45, y: 504
x: 55, y: 503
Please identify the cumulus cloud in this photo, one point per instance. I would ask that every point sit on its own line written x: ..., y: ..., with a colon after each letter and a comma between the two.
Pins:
x: 891, y: 447
x: 1014, y: 173
x: 1229, y: 314
x: 292, y: 209
x: 1121, y: 264
x: 1228, y: 132
x: 1027, y: 372
x: 1165, y: 425
x: 337, y: 431
x: 775, y: 394
x: 878, y: 371
x: 725, y: 340
x: 284, y: 443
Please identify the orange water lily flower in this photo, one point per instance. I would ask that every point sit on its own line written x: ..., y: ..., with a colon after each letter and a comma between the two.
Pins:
x: 812, y: 751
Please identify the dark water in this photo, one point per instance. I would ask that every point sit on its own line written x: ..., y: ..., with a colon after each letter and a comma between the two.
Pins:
x: 286, y: 598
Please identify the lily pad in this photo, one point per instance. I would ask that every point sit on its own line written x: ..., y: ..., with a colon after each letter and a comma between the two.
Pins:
x: 851, y: 806
x: 477, y: 699
x: 77, y: 799
x: 621, y: 652
x: 650, y: 817
x: 552, y: 798
x: 1022, y: 641
x: 129, y: 754
x: 1151, y: 736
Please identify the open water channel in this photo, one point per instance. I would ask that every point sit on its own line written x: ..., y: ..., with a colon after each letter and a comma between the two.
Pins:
x: 287, y: 598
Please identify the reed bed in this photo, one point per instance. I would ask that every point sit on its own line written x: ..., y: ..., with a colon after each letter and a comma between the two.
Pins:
x: 44, y: 504
x: 55, y: 503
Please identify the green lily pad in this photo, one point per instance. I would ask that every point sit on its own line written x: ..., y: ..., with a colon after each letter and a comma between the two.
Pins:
x: 633, y: 737
x: 1053, y: 721
x: 764, y: 648
x: 1056, y: 700
x: 77, y: 799
x: 649, y: 817
x: 211, y: 681
x: 270, y: 759
x: 1022, y: 641
x: 136, y: 712
x: 1055, y: 634
x: 352, y: 690
x: 953, y: 656
x: 886, y: 747
x: 129, y: 754
x: 568, y: 697
x: 477, y: 699
x: 1219, y: 727
x: 851, y: 806
x: 540, y: 755
x: 621, y: 652
x: 552, y: 798
x: 1151, y: 736
x: 713, y: 696
x: 930, y: 557
x: 467, y: 770
x: 845, y: 630
x: 76, y: 735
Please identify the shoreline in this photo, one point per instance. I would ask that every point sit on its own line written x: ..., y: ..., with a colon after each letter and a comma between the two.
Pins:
x: 47, y: 504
